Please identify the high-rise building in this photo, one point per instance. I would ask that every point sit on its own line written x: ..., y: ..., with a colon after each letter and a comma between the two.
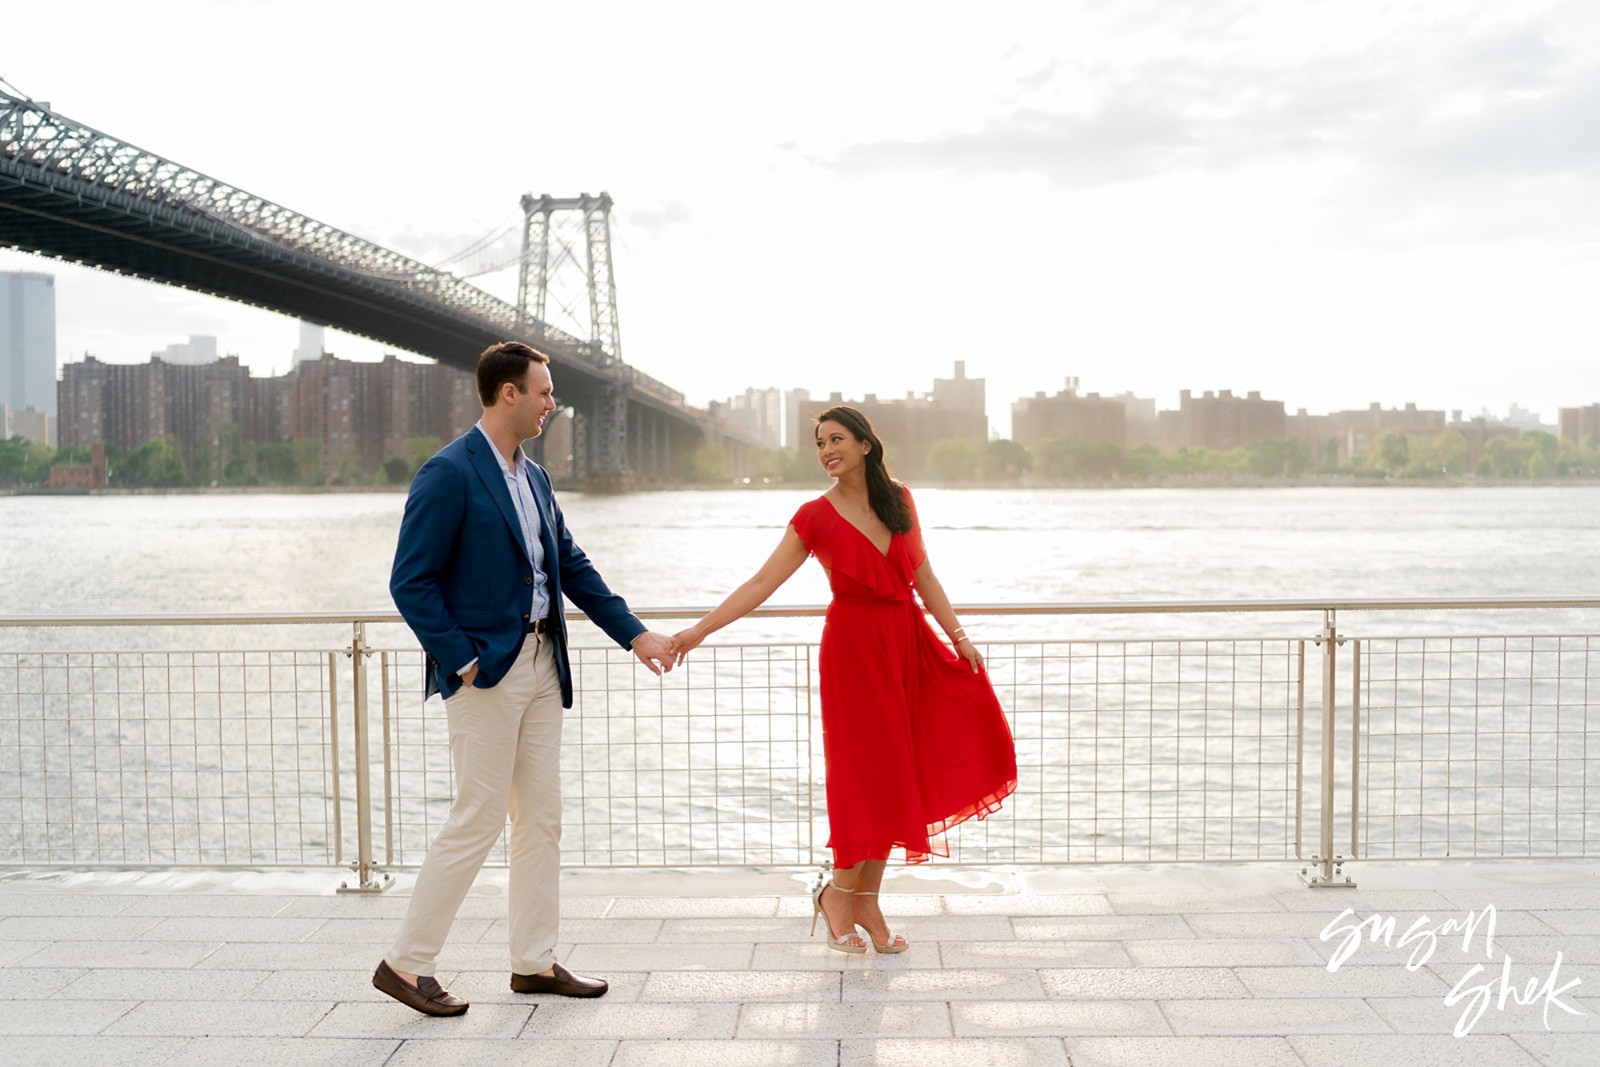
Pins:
x: 362, y: 413
x: 199, y: 349
x: 1342, y: 435
x: 758, y: 412
x: 30, y: 424
x: 1041, y: 418
x: 1222, y: 421
x: 798, y: 409
x: 28, y: 341
x: 1579, y: 424
x: 311, y: 344
x: 909, y: 426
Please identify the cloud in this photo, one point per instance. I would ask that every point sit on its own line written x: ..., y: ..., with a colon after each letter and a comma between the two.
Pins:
x: 654, y: 220
x: 1456, y: 102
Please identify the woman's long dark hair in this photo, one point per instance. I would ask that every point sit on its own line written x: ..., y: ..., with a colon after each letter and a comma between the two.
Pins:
x: 883, y: 492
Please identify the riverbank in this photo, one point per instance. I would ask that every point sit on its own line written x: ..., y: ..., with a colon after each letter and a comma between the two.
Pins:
x: 1187, y: 482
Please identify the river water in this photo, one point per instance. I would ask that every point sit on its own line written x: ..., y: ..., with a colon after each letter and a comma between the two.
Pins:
x: 723, y: 766
x: 249, y: 553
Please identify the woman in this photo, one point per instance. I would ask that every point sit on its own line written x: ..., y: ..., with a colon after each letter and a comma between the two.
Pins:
x: 913, y: 737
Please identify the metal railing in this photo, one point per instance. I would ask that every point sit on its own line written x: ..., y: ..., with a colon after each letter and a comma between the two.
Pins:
x: 1143, y: 749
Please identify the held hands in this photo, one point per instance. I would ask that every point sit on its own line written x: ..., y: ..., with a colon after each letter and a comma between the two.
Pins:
x: 654, y: 651
x: 686, y: 641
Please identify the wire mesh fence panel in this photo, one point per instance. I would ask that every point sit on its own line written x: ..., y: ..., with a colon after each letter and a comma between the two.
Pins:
x: 709, y: 765
x: 157, y: 758
x: 1480, y: 746
x: 1145, y: 751
x: 1130, y: 749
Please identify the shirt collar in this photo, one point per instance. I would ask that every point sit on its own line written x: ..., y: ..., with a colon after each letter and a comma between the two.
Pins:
x: 508, y: 471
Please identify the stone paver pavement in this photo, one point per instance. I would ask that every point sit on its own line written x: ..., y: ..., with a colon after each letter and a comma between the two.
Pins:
x: 1091, y: 966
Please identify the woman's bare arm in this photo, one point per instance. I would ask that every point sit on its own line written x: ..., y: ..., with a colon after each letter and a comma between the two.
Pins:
x: 938, y: 605
x: 779, y: 567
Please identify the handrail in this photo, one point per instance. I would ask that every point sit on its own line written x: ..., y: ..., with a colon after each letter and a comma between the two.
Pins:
x: 1132, y: 607
x: 1230, y: 740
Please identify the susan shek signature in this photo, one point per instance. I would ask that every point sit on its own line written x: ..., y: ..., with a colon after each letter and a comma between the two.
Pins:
x: 1423, y: 936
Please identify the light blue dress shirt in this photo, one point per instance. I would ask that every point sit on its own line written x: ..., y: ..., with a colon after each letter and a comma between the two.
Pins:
x: 528, y: 515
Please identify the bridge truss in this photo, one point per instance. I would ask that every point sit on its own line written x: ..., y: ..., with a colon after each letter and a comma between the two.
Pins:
x: 73, y: 192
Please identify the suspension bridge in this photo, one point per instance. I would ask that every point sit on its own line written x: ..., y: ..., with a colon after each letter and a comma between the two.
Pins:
x: 75, y: 193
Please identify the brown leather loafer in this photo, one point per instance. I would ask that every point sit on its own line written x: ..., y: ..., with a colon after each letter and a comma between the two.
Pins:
x: 427, y: 996
x: 561, y: 982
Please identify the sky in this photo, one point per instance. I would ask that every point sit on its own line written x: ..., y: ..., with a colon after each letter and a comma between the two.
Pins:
x: 1334, y: 202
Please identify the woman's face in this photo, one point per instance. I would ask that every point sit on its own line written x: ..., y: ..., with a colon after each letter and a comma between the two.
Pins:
x: 838, y: 450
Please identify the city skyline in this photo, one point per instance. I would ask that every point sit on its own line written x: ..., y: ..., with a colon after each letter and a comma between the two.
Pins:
x: 774, y: 412
x: 1356, y: 204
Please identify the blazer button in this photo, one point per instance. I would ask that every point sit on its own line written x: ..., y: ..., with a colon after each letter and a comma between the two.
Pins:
x: 527, y: 581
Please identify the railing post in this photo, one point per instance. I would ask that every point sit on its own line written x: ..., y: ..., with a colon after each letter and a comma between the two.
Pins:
x: 364, y: 866
x: 1330, y: 866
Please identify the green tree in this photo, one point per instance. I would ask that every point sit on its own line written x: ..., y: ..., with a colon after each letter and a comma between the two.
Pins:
x: 1547, y: 445
x: 1393, y: 451
x: 232, y: 461
x: 707, y: 465
x: 307, y: 457
x: 1005, y: 461
x: 1057, y: 459
x: 157, y: 464
x: 1101, y: 459
x: 419, y: 450
x: 1266, y: 459
x: 952, y: 460
x: 396, y: 471
x: 350, y: 470
x: 1537, y: 465
x: 275, y: 462
x: 14, y: 461
x: 1450, y: 449
x: 1144, y: 461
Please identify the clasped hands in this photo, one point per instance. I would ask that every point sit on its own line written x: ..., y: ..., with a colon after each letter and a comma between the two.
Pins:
x: 662, y: 653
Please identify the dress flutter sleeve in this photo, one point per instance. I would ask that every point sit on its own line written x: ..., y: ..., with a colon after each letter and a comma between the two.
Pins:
x: 914, y: 548
x: 806, y: 524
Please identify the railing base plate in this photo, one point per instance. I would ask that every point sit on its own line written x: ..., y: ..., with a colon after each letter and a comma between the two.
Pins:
x: 367, y: 887
x: 1326, y: 881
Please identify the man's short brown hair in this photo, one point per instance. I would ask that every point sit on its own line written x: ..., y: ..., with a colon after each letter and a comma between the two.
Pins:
x: 504, y: 362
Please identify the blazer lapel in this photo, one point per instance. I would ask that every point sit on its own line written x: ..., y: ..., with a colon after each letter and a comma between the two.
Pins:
x: 542, y: 501
x: 493, y: 476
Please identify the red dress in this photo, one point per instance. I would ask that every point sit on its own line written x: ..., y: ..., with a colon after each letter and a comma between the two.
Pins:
x: 914, y: 741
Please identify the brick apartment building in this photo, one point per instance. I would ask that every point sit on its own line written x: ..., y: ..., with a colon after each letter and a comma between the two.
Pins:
x: 361, y: 410
x: 1578, y: 424
x: 1221, y: 421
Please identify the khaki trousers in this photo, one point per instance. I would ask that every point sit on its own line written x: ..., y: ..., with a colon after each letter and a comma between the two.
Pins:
x: 505, y: 746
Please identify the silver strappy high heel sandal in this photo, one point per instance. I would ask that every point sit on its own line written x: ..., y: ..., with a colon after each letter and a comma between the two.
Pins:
x: 842, y: 942
x: 895, y: 942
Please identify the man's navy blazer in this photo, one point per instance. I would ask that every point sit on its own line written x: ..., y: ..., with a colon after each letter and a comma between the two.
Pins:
x: 462, y: 577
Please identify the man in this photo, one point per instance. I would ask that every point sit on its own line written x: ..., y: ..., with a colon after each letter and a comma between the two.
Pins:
x: 483, y: 560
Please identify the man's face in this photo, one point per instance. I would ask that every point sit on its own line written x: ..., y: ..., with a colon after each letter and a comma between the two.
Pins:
x: 536, y: 401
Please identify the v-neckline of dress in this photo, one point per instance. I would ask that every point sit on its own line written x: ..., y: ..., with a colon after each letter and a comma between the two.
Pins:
x: 882, y: 553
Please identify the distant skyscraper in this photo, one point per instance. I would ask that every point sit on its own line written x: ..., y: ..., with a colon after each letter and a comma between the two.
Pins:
x: 200, y: 349
x: 311, y: 342
x: 28, y: 341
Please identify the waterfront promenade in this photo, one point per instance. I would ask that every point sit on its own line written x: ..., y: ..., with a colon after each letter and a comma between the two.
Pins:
x: 1087, y: 966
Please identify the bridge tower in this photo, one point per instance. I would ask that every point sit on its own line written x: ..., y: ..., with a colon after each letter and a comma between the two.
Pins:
x: 551, y: 253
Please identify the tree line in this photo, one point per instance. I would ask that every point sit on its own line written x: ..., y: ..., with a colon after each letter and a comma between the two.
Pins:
x: 1392, y: 456
x: 227, y: 460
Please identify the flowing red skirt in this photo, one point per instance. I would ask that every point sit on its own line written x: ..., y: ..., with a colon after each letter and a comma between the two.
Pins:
x: 915, y: 742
